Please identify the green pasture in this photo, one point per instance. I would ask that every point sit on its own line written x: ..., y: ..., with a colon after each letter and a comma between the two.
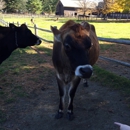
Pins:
x: 119, y: 30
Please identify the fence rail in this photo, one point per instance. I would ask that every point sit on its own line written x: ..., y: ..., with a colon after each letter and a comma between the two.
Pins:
x: 127, y: 42
x: 120, y: 41
x: 115, y: 61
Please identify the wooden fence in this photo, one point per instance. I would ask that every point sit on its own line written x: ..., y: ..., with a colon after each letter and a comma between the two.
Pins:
x: 126, y: 42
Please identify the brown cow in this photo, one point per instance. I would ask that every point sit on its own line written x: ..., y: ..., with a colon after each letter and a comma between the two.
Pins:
x: 73, y: 50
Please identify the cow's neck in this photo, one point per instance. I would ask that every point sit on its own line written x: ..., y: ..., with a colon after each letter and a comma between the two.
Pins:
x: 16, y: 40
x: 12, y: 42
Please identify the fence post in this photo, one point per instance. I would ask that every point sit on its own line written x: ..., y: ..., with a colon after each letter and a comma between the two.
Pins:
x: 18, y: 24
x: 35, y: 29
x: 7, y: 24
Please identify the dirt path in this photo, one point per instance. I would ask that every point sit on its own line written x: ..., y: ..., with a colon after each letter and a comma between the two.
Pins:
x: 95, y: 108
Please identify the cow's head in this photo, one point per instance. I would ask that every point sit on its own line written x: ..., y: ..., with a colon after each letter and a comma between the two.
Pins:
x: 23, y: 36
x: 76, y: 43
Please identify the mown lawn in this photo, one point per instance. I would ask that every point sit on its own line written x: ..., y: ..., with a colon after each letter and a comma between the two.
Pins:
x: 104, y: 29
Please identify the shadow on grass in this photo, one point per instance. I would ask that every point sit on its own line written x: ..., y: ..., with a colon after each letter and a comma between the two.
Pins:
x: 24, y: 72
x: 21, y: 68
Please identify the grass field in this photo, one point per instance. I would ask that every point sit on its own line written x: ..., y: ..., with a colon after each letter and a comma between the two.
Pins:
x: 107, y: 29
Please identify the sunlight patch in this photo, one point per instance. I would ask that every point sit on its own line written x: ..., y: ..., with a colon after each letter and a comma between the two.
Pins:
x: 28, y: 67
x: 30, y: 51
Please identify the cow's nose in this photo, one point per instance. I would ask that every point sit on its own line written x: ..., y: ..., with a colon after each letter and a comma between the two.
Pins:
x: 86, y: 72
x: 38, y: 42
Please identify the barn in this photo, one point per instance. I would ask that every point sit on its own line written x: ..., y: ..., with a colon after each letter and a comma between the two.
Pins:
x: 67, y: 7
x: 74, y: 7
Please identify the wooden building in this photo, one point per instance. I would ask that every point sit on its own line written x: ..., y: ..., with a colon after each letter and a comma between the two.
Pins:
x: 73, y: 7
x: 67, y: 7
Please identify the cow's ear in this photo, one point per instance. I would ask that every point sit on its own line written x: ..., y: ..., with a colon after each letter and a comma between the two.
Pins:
x: 93, y: 28
x: 56, y: 34
x: 86, y: 25
x: 12, y: 26
x: 23, y: 26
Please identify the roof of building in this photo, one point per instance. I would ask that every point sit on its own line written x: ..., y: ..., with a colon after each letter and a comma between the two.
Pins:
x: 73, y: 3
x: 70, y: 3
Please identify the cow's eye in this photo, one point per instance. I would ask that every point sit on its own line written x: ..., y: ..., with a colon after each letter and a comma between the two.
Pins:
x: 67, y: 47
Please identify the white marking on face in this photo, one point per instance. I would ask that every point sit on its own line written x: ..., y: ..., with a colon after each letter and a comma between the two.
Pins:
x: 77, y: 72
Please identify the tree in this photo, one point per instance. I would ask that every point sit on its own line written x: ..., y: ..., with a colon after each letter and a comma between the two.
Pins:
x: 124, y: 4
x: 34, y: 6
x: 86, y: 5
x: 115, y: 5
x: 49, y: 5
x: 2, y: 5
x: 14, y: 6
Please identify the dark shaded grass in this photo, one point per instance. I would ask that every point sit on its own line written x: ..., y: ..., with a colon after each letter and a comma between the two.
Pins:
x: 109, y: 79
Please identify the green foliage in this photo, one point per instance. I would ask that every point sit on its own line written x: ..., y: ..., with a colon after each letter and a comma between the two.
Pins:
x: 116, y: 6
x: 15, y: 6
x: 34, y: 6
x: 124, y: 4
x: 49, y: 5
x: 30, y: 6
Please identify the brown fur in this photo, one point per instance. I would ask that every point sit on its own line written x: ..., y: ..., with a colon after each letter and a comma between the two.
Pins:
x: 94, y: 50
x: 65, y: 61
x: 87, y: 28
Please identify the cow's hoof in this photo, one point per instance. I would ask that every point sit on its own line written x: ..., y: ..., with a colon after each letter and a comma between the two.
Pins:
x: 70, y: 116
x: 59, y: 115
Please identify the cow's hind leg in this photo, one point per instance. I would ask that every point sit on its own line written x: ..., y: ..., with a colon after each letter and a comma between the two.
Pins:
x: 85, y: 83
x: 62, y: 93
x: 71, y: 93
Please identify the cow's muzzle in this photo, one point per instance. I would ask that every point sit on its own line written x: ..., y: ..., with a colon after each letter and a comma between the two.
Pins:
x: 84, y: 71
x: 38, y: 42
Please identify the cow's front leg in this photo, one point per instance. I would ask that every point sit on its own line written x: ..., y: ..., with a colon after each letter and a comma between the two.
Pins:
x: 62, y: 93
x: 71, y: 93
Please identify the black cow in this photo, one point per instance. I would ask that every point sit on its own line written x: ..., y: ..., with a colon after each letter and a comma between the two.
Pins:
x: 14, y: 37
